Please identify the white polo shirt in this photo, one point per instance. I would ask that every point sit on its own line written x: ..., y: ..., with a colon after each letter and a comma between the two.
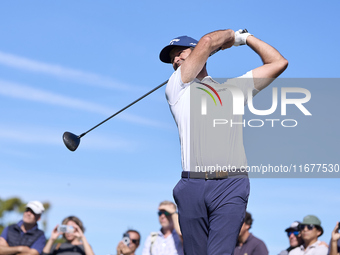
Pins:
x: 178, y: 97
x: 313, y: 249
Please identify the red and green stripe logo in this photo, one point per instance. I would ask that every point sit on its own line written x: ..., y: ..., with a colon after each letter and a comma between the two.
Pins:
x: 209, y: 93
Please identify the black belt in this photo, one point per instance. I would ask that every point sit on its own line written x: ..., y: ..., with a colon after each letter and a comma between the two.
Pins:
x: 213, y: 175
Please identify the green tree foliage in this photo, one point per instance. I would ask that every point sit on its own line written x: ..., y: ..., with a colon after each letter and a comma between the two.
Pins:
x: 16, y: 205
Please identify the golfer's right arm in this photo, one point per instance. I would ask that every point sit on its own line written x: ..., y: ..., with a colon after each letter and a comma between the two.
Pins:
x: 207, y: 44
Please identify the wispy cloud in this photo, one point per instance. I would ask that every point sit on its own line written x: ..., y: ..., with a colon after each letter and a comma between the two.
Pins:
x: 25, y: 92
x: 50, y: 136
x: 27, y: 136
x: 61, y: 72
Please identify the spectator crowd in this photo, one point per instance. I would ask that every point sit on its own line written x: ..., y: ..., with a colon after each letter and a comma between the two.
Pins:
x: 25, y: 238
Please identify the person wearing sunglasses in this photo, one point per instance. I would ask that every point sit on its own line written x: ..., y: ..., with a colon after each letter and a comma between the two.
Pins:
x: 169, y: 239
x: 132, y: 237
x: 294, y: 236
x: 310, y: 230
x: 24, y: 237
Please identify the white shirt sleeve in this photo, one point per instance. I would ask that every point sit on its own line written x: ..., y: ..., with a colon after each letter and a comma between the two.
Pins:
x: 175, y: 87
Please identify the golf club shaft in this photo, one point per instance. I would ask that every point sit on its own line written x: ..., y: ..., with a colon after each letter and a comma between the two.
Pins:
x: 135, y: 101
x: 161, y: 85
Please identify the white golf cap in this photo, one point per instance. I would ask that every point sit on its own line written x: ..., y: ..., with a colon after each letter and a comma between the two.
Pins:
x: 36, y: 206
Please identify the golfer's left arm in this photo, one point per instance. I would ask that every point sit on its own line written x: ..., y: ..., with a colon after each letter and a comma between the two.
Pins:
x: 273, y: 63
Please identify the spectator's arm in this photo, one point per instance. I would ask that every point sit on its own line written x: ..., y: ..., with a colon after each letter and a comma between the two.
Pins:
x: 333, y: 249
x: 87, y: 247
x: 334, y: 241
x: 6, y: 250
x: 119, y: 248
x: 176, y: 225
x: 54, y: 236
x: 3, y: 242
x: 122, y: 249
x: 30, y: 251
x: 48, y: 246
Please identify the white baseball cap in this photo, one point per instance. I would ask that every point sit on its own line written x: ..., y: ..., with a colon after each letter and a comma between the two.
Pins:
x: 36, y: 206
x: 294, y: 226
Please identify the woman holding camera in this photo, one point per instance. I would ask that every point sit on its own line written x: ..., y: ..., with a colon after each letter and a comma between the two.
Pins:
x: 75, y: 243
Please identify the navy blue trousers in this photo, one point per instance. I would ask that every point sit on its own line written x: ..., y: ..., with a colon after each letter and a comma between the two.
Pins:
x: 211, y: 213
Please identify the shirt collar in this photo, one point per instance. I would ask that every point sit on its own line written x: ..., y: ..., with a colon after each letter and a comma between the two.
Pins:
x: 161, y: 234
x: 249, y: 237
x: 310, y: 246
x: 21, y: 222
x: 205, y: 79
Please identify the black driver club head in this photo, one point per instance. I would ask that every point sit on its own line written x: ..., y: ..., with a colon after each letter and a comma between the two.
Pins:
x: 71, y: 141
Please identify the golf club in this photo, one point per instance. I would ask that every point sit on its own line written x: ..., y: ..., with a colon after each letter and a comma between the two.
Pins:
x: 72, y: 141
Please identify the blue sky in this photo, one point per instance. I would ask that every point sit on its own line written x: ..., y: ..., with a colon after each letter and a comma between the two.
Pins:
x: 68, y: 65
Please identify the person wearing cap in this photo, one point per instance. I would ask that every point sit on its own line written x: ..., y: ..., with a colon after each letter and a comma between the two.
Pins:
x: 24, y: 237
x: 294, y: 236
x: 311, y: 230
x: 334, y: 247
x: 167, y: 241
x: 211, y: 205
x: 247, y: 242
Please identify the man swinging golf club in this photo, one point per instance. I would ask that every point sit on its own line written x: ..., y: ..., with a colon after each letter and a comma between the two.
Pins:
x: 212, y: 205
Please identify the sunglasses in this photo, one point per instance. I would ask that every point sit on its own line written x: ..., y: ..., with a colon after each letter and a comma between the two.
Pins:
x: 309, y: 226
x: 296, y: 233
x: 135, y: 241
x: 163, y: 212
x: 30, y: 210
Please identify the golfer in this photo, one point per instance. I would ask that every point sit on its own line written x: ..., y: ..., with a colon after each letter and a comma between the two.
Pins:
x: 212, y: 205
